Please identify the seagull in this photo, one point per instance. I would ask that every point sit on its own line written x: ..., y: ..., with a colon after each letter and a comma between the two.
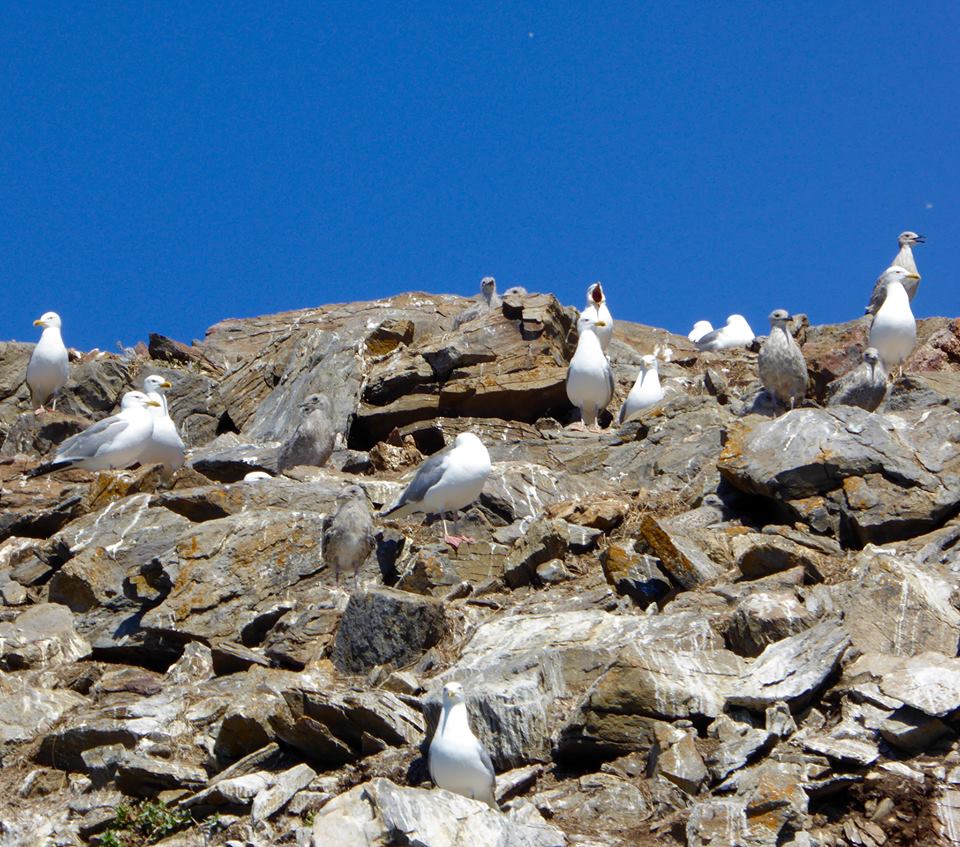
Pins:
x: 49, y: 366
x: 589, y: 377
x: 894, y: 329
x: 903, y: 259
x: 348, y: 537
x: 700, y: 329
x: 489, y: 300
x: 865, y: 386
x: 457, y: 760
x: 735, y: 333
x: 165, y: 446
x: 313, y: 439
x: 515, y: 290
x: 596, y: 309
x: 256, y: 476
x: 114, y: 442
x: 449, y: 480
x: 646, y: 391
x: 783, y: 370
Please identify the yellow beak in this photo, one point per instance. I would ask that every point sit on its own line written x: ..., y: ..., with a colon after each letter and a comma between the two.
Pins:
x: 154, y: 403
x: 38, y: 322
x: 913, y: 276
x: 166, y: 384
x: 599, y: 323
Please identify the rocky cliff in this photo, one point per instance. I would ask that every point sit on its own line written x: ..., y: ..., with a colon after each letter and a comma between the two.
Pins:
x: 706, y: 627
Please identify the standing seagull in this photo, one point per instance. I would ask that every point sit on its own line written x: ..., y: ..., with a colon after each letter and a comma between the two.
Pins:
x: 865, y: 386
x: 348, y: 537
x: 449, y: 480
x: 114, y: 442
x: 457, y: 760
x: 49, y: 365
x: 589, y: 377
x: 312, y: 441
x: 165, y: 446
x: 904, y: 259
x: 735, y: 332
x: 783, y: 370
x: 646, y: 391
x: 894, y: 329
x: 597, y: 311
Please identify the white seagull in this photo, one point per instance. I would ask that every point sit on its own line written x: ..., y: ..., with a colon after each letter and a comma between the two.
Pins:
x: 596, y: 309
x: 589, y: 378
x: 114, y: 442
x: 647, y: 390
x: 49, y: 364
x: 165, y: 446
x: 449, y: 480
x: 904, y: 259
x: 700, y: 329
x: 735, y: 333
x: 894, y: 328
x: 457, y: 760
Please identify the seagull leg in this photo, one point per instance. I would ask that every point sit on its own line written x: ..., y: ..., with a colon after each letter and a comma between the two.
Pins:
x: 455, y: 540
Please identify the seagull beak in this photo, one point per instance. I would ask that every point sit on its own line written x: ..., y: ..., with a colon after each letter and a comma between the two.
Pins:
x: 920, y: 239
x: 166, y: 384
x: 913, y: 276
x: 599, y: 323
x: 38, y: 322
x: 154, y: 403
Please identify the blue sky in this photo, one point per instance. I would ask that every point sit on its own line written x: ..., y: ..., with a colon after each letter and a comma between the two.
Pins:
x: 164, y: 166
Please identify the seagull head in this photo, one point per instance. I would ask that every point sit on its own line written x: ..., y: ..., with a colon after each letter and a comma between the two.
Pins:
x: 780, y: 317
x: 135, y: 400
x: 736, y: 320
x: 465, y: 439
x: 908, y: 239
x: 155, y: 382
x: 315, y: 401
x: 871, y: 356
x: 48, y: 319
x: 649, y: 363
x: 488, y: 285
x: 352, y: 492
x: 595, y: 295
x: 897, y: 274
x: 453, y: 693
x: 588, y: 324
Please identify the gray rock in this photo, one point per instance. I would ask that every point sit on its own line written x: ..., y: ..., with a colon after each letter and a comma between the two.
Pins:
x: 144, y: 776
x: 40, y: 636
x: 29, y: 708
x: 675, y: 756
x: 634, y: 574
x: 764, y: 618
x: 385, y: 625
x: 271, y: 800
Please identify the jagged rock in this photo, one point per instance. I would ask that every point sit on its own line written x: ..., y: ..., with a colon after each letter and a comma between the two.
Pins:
x: 543, y: 541
x: 738, y: 744
x: 385, y: 625
x: 686, y: 561
x: 29, y: 708
x: 912, y: 731
x: 295, y: 641
x: 846, y: 751
x: 929, y: 683
x: 518, y: 490
x: 792, y: 669
x: 230, y: 459
x: 773, y: 798
x: 760, y: 554
x: 597, y: 796
x: 40, y: 636
x: 874, y: 477
x: 144, y: 776
x: 675, y: 756
x: 271, y: 800
x: 764, y: 618
x: 635, y: 574
x: 369, y: 814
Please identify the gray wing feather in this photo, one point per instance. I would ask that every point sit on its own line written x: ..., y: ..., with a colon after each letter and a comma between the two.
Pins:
x: 85, y: 444
x: 429, y: 474
x: 611, y: 384
x: 877, y: 296
x: 704, y: 341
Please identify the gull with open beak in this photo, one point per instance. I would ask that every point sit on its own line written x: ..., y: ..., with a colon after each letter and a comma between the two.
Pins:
x: 904, y: 259
x: 597, y: 311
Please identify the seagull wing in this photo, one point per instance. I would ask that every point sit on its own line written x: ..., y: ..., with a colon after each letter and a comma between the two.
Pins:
x: 88, y: 443
x: 706, y: 342
x: 428, y: 475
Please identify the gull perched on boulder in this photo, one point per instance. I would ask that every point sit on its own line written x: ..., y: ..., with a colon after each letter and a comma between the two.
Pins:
x: 165, y: 446
x: 589, y: 378
x: 114, y: 442
x: 646, y: 391
x: 49, y: 364
x: 904, y: 259
x: 700, y: 329
x: 865, y: 386
x: 596, y: 310
x: 783, y: 370
x: 348, y: 538
x: 894, y: 329
x: 489, y: 300
x: 313, y: 440
x: 450, y: 480
x: 735, y: 332
x: 457, y: 760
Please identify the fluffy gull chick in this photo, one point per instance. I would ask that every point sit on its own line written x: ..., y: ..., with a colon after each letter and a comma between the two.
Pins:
x: 865, y: 386
x: 457, y: 760
x: 894, y: 329
x: 165, y: 446
x: 49, y: 364
x: 903, y: 259
x: 348, y: 537
x: 313, y: 439
x: 646, y: 391
x: 783, y: 370
x: 449, y: 480
x: 735, y: 332
x: 489, y: 300
x: 589, y: 377
x: 597, y: 311
x: 700, y: 329
x: 114, y: 442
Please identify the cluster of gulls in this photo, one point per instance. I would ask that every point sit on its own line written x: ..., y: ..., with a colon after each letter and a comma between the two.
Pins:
x: 782, y: 368
x: 452, y: 479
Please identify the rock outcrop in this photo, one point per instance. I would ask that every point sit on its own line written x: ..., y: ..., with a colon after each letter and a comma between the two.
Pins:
x: 708, y: 626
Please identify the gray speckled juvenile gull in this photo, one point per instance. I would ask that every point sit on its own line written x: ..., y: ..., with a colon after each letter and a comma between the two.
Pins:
x: 865, y: 386
x: 904, y: 259
x: 312, y: 441
x: 348, y: 537
x: 783, y: 370
x: 457, y: 760
x: 49, y: 365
